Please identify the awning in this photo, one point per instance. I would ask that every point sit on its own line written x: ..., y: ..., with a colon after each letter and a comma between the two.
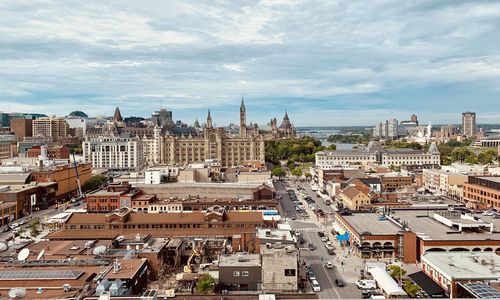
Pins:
x: 427, y: 284
x: 386, y: 283
x: 337, y: 227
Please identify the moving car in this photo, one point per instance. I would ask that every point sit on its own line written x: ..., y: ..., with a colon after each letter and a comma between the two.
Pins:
x: 315, y: 286
x: 329, y: 265
x: 339, y: 282
x: 311, y: 246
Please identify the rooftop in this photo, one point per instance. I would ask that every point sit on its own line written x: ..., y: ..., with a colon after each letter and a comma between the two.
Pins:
x: 490, y: 178
x: 465, y: 265
x: 239, y: 260
x: 369, y: 223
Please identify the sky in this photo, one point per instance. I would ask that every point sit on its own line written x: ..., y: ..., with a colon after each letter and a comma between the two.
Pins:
x: 328, y: 63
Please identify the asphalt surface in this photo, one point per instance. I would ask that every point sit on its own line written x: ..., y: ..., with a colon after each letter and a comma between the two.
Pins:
x: 317, y: 258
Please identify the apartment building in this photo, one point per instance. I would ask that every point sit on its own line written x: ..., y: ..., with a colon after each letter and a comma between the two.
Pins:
x: 56, y: 128
x: 5, y: 149
x: 117, y: 154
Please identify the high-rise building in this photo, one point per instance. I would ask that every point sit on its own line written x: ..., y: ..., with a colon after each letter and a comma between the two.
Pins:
x: 56, y: 128
x: 469, y: 126
x: 21, y: 128
x: 414, y: 119
x: 392, y: 128
x: 387, y: 130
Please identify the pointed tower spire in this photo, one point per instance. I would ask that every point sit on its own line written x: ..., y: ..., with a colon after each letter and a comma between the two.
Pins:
x: 243, y: 119
x: 117, y: 116
x: 209, y: 119
x: 242, y: 102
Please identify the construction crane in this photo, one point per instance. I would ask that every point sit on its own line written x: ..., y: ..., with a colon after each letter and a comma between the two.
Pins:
x: 80, y: 194
x: 188, y: 268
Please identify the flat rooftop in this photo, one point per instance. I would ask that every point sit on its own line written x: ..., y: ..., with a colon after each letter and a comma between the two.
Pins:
x: 490, y: 178
x: 465, y: 265
x: 239, y: 260
x: 368, y: 222
x: 423, y: 224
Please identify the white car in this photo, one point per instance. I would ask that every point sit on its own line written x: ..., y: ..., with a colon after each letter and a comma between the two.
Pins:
x: 315, y: 286
x: 488, y: 213
x: 324, y: 239
x: 366, y: 284
x: 14, y: 225
x: 329, y: 244
x: 329, y: 265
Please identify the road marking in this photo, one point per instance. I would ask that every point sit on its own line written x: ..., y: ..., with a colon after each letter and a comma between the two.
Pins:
x: 306, y: 229
x: 332, y: 282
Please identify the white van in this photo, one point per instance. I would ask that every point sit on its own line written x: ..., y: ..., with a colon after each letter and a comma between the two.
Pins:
x: 366, y: 284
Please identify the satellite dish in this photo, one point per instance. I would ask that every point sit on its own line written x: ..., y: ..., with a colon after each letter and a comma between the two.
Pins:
x: 23, y: 255
x: 3, y: 246
x: 99, y: 250
x: 40, y: 255
x: 17, y: 293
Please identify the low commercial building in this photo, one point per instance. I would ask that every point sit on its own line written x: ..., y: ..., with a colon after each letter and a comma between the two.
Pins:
x: 49, y: 152
x: 482, y: 192
x: 8, y: 212
x: 237, y: 227
x: 65, y: 177
x: 279, y: 269
x: 408, y: 233
x: 393, y: 182
x: 28, y: 198
x: 442, y: 181
x: 160, y: 174
x: 240, y: 272
x: 450, y: 269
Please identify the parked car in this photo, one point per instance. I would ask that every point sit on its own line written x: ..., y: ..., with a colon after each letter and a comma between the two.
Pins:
x: 315, y: 286
x: 5, y: 229
x: 311, y: 246
x: 330, y: 251
x: 329, y: 245
x: 339, y: 282
x: 366, y: 284
x: 321, y: 233
x: 311, y: 275
x: 22, y: 221
x: 14, y: 225
x: 324, y: 239
x: 329, y: 265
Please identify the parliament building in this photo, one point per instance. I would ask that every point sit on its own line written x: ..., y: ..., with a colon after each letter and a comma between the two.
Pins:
x: 166, y: 143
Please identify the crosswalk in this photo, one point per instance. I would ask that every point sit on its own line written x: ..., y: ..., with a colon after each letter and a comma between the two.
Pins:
x: 307, y: 229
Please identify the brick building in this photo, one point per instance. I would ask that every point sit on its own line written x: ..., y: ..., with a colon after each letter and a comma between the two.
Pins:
x: 21, y: 128
x: 482, y: 192
x: 65, y: 177
x: 53, y: 152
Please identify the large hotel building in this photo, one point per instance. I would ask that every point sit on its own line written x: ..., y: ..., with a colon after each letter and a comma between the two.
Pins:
x: 166, y: 143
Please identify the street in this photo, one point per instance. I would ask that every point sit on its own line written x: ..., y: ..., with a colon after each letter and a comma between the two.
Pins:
x: 317, y: 258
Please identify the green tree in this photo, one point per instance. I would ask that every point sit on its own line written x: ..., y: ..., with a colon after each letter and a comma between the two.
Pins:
x: 460, y: 154
x: 94, y: 182
x: 296, y: 172
x: 396, y: 272
x: 411, y: 289
x: 487, y: 157
x: 472, y: 159
x: 205, y: 284
x: 278, y: 172
x: 331, y: 147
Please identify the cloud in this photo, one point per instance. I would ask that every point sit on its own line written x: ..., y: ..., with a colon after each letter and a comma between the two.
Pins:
x: 344, y: 62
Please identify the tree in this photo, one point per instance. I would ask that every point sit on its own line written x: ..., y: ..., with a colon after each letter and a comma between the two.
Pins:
x: 411, y: 289
x: 461, y: 154
x: 396, y: 272
x: 297, y: 172
x: 205, y: 284
x: 278, y: 172
x: 95, y: 182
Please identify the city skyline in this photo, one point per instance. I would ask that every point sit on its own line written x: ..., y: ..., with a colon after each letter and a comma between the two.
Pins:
x: 345, y: 63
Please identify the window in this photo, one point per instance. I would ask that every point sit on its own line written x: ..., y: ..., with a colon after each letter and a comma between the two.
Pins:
x: 289, y: 272
x: 236, y: 273
x: 244, y: 273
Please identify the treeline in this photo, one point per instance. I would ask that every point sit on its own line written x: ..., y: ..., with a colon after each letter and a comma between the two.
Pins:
x: 403, y: 144
x: 296, y: 150
x: 350, y: 138
x: 465, y: 155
